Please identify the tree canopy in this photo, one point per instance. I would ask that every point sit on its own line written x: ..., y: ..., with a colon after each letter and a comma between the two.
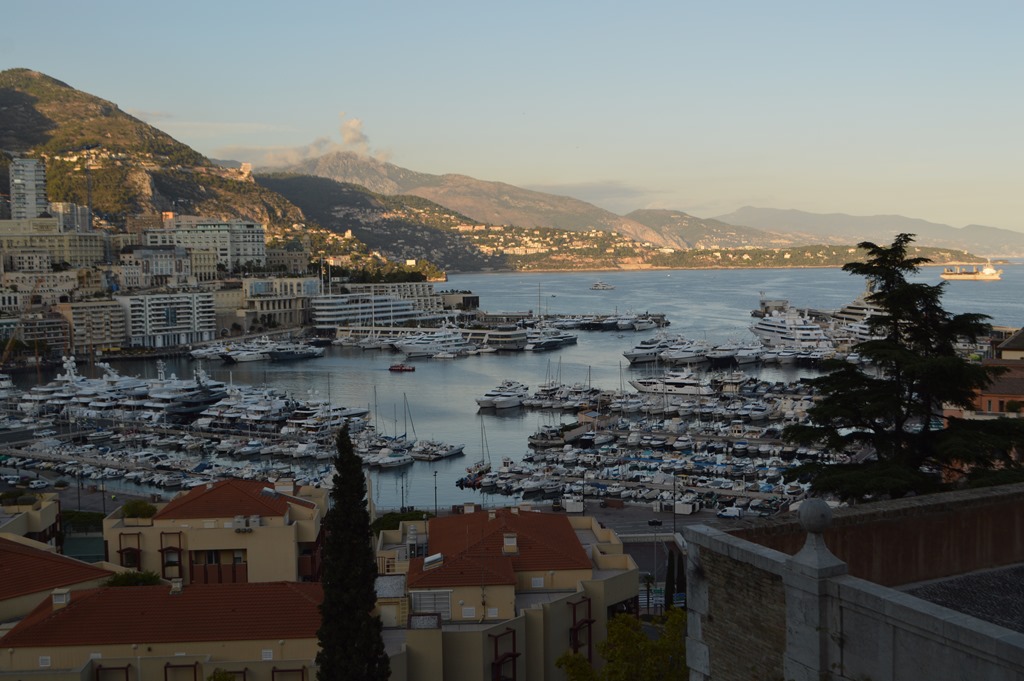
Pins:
x: 631, y: 655
x: 890, y: 416
x: 351, y: 645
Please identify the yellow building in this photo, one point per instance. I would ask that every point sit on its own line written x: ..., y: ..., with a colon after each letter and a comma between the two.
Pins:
x: 500, y: 593
x: 230, y: 531
x: 260, y: 632
x: 31, y: 571
x: 96, y: 326
x: 78, y: 249
x: 35, y: 516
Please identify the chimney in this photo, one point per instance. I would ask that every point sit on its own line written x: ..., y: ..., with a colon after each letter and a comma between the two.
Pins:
x: 60, y: 598
x: 492, y: 514
x: 510, y: 547
x: 285, y: 486
x: 176, y: 585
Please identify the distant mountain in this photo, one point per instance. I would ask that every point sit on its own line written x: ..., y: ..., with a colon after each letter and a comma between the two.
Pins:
x: 498, y: 203
x: 683, y: 231
x: 838, y: 228
x: 492, y: 203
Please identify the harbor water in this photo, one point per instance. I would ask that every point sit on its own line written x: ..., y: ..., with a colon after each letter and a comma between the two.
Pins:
x: 437, y: 399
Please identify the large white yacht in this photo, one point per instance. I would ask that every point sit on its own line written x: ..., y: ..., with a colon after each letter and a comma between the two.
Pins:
x: 445, y: 339
x: 789, y: 328
x: 682, y: 382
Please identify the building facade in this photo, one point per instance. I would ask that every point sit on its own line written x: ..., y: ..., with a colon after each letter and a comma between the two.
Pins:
x: 163, y: 320
x: 78, y: 249
x: 159, y: 265
x: 95, y: 326
x: 230, y: 531
x: 28, y: 188
x: 237, y: 243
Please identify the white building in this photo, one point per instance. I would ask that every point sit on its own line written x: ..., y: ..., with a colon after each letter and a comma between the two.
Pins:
x: 236, y: 242
x: 421, y: 293
x: 163, y: 320
x: 159, y: 265
x: 28, y: 188
x: 358, y: 309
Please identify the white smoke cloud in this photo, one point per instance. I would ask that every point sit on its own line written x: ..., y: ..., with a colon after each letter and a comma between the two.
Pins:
x: 353, y: 139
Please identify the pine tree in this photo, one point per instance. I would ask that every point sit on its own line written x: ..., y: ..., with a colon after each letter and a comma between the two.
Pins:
x: 891, y: 414
x: 351, y: 645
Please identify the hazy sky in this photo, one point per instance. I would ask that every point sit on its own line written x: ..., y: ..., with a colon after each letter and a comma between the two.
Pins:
x: 866, y: 108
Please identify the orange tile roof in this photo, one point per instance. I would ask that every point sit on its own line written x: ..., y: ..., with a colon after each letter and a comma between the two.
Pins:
x: 152, y: 614
x: 226, y: 499
x: 27, y: 570
x: 472, y: 548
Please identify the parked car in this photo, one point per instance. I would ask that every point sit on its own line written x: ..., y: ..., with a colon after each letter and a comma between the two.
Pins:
x: 39, y: 484
x: 654, y: 522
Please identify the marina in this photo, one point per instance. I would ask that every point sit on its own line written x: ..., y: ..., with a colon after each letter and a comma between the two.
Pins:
x: 727, y: 433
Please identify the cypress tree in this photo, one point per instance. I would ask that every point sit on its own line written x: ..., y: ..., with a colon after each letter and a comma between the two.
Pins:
x: 670, y: 579
x: 351, y: 644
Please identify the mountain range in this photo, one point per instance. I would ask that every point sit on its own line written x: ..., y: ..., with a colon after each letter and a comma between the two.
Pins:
x: 500, y: 203
x: 136, y: 168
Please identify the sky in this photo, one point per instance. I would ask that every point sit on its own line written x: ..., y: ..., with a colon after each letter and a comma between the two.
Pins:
x: 864, y: 108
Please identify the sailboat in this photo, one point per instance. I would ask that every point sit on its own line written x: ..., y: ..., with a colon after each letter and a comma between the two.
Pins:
x: 476, y: 472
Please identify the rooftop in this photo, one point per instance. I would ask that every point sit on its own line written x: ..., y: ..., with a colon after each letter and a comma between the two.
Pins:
x: 27, y: 570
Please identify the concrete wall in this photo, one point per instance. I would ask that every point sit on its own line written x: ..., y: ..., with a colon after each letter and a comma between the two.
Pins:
x: 757, y: 613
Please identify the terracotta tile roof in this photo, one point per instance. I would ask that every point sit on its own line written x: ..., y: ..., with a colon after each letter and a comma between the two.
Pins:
x: 27, y: 570
x: 472, y: 546
x: 226, y: 499
x: 152, y: 614
x: 1014, y: 342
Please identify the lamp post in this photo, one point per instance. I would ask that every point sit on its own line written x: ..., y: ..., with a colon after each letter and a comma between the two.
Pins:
x: 435, y: 494
x: 674, y: 478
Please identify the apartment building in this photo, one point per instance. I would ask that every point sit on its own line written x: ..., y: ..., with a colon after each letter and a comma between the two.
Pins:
x: 279, y: 301
x: 162, y: 320
x: 159, y: 265
x: 95, y: 326
x: 236, y: 242
x: 230, y: 531
x: 78, y: 249
x: 500, y: 593
x: 28, y: 188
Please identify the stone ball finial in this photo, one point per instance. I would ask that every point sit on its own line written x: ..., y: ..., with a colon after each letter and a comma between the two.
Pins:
x: 815, y: 515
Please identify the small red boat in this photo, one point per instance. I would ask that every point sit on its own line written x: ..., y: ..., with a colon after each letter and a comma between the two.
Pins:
x: 401, y: 367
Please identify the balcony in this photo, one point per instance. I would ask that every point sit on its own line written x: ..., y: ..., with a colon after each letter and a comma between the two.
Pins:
x: 219, y: 573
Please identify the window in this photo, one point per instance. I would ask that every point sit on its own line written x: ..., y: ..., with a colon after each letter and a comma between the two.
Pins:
x: 537, y: 582
x: 468, y: 613
x: 439, y: 602
x: 130, y: 558
x: 212, y: 558
x: 267, y: 654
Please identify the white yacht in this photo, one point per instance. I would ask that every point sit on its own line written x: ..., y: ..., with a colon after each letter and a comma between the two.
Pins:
x: 674, y: 383
x: 788, y: 328
x: 445, y: 339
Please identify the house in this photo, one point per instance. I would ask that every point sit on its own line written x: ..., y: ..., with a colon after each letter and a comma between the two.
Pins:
x: 229, y: 531
x: 261, y: 632
x: 30, y: 571
x: 32, y: 515
x: 500, y: 593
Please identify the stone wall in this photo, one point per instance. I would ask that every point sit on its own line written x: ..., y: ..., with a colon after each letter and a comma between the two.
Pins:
x: 755, y: 613
x: 746, y: 611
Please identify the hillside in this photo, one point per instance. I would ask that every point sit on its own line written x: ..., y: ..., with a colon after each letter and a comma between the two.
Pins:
x: 133, y: 167
x: 400, y: 227
x: 491, y: 203
x: 839, y: 228
x: 684, y: 231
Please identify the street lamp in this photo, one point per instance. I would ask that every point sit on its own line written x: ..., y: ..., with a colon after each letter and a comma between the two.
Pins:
x: 435, y: 494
